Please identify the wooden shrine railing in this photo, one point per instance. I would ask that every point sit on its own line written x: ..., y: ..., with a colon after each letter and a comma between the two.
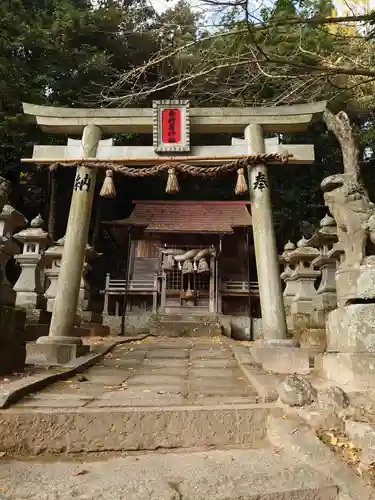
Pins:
x: 232, y: 286
x: 118, y: 286
x: 140, y: 286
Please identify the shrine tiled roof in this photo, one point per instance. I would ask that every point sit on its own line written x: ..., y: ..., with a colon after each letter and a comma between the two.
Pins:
x: 188, y: 216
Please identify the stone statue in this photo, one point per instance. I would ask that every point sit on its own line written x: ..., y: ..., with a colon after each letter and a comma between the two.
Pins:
x: 349, y: 204
x: 346, y: 196
x: 349, y: 360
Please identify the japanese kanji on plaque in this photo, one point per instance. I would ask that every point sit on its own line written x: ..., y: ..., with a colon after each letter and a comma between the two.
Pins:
x: 171, y: 126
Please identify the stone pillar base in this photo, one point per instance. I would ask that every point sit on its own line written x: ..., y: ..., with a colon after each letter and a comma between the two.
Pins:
x: 283, y: 360
x: 281, y: 356
x: 351, y: 329
x: 50, y: 354
x: 350, y: 371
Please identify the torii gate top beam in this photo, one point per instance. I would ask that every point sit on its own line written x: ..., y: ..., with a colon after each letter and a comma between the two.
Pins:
x: 58, y: 120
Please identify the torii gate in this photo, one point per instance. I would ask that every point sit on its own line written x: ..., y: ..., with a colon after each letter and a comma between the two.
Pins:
x: 94, y: 123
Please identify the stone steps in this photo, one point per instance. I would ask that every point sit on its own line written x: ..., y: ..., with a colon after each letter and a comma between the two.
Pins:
x: 208, y: 475
x: 186, y: 325
x: 61, y: 425
x: 188, y: 317
x: 185, y: 329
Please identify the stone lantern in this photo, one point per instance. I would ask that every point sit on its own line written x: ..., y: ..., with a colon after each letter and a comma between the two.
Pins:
x: 290, y: 286
x: 304, y: 277
x: 53, y: 258
x: 10, y: 220
x: 29, y: 287
x: 326, y: 298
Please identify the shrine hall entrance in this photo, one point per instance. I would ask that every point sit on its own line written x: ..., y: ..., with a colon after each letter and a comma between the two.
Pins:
x: 187, y: 291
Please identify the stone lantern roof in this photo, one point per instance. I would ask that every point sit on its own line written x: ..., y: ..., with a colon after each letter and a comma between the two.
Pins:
x: 34, y: 233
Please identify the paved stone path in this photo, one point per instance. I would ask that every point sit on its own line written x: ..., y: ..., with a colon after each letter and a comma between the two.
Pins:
x: 153, y: 372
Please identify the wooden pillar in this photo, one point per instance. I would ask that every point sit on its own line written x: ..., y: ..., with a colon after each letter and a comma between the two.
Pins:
x: 163, y: 291
x: 212, y: 302
x: 106, y: 293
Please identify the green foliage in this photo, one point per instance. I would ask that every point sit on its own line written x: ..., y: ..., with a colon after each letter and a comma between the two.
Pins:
x: 64, y: 52
x: 59, y: 52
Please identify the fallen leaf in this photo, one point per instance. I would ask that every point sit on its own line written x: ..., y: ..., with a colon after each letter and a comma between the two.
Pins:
x: 80, y: 472
x: 2, y: 453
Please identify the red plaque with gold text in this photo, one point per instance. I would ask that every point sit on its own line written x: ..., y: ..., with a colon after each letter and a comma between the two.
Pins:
x: 171, y: 126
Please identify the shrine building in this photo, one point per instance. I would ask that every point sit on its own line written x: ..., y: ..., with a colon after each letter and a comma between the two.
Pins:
x: 185, y: 258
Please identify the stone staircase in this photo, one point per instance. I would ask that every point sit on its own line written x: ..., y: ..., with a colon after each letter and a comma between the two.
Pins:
x: 186, y: 325
x: 178, y: 420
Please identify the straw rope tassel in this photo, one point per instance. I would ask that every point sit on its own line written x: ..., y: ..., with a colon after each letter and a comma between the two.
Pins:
x: 108, y: 189
x: 241, y: 185
x: 172, y: 182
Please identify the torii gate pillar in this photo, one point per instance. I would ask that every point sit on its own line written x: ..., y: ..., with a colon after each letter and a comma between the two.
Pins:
x: 267, y: 260
x: 65, y: 305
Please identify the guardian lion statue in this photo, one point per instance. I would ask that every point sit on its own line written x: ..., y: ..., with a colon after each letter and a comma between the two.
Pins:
x: 354, y: 214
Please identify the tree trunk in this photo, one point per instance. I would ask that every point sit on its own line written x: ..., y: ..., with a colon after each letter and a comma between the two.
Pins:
x: 340, y: 126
